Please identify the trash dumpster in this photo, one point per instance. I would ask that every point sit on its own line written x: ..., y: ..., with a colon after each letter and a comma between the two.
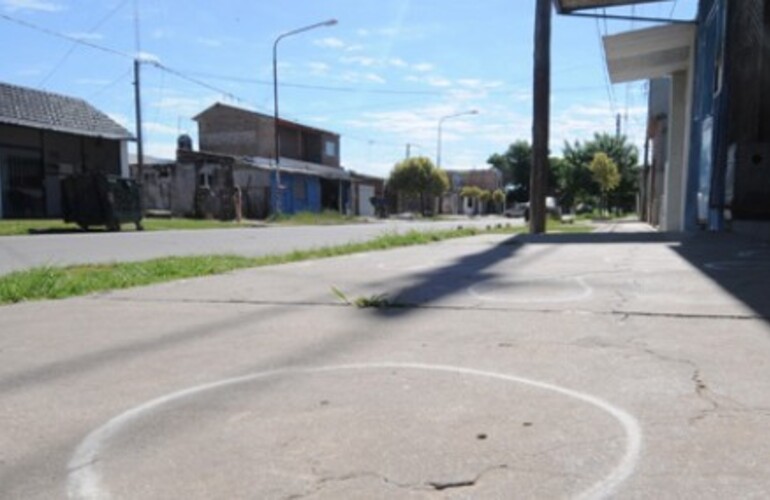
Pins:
x: 101, y: 200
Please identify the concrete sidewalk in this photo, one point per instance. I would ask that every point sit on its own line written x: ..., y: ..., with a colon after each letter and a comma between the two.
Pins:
x: 623, y: 364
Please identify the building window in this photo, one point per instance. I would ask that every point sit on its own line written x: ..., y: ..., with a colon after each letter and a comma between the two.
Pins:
x: 330, y: 148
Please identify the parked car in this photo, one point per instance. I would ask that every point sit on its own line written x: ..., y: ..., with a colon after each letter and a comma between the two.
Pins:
x: 517, y: 210
x: 522, y: 209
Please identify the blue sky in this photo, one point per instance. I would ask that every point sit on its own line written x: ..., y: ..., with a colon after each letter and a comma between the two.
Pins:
x: 381, y: 78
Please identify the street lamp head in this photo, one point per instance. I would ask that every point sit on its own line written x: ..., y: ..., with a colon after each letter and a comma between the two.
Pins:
x: 330, y: 22
x: 473, y: 112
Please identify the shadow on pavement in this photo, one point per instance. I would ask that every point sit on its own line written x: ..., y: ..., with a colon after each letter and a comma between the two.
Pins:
x: 740, y: 265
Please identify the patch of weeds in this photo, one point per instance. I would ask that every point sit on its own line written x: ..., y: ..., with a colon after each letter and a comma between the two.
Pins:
x: 363, y: 302
x: 377, y: 301
x: 340, y: 295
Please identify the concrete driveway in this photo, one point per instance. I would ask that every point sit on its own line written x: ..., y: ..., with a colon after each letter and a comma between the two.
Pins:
x: 626, y: 364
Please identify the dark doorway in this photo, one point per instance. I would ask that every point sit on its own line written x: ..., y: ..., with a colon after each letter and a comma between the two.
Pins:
x: 330, y: 195
x: 21, y: 182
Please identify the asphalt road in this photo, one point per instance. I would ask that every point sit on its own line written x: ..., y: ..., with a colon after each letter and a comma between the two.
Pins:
x: 20, y: 252
x: 612, y: 365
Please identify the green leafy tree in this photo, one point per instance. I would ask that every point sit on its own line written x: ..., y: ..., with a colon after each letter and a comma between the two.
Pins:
x: 605, y: 174
x: 498, y: 198
x: 418, y: 176
x: 516, y: 166
x: 575, y: 178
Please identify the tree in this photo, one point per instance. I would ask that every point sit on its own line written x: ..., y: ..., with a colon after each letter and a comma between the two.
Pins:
x: 516, y: 166
x: 576, y: 180
x: 418, y: 176
x: 605, y: 173
x: 498, y: 198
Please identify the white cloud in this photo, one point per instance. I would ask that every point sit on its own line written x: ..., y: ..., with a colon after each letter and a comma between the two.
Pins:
x: 423, y: 67
x: 433, y: 81
x: 330, y: 43
x: 147, y: 57
x: 159, y: 128
x: 358, y: 77
x: 122, y: 119
x: 318, y: 68
x: 360, y: 60
x: 37, y: 5
x: 397, y: 62
x: 165, y: 150
x: 581, y: 122
x: 185, y: 106
x: 374, y: 78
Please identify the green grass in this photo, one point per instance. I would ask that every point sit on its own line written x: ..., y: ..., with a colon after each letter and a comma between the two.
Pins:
x: 60, y: 282
x: 11, y: 227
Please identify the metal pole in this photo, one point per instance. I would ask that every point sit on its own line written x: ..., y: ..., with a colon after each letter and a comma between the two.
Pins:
x: 440, y: 123
x: 277, y: 138
x: 277, y: 145
x: 138, y: 111
x: 540, y: 121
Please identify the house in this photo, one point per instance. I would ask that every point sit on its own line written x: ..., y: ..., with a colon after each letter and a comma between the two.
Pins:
x: 205, y: 185
x: 367, y: 194
x: 308, y: 176
x: 711, y: 133
x: 45, y: 137
x: 490, y: 179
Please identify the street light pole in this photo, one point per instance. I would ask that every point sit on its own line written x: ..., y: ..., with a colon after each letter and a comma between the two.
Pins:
x: 441, y: 123
x: 277, y: 145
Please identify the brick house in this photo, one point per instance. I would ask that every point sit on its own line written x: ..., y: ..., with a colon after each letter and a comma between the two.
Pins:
x: 45, y: 137
x: 311, y: 178
x: 490, y: 179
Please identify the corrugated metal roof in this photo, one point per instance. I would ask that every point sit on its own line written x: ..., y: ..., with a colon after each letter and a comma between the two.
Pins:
x: 299, y: 167
x: 45, y: 110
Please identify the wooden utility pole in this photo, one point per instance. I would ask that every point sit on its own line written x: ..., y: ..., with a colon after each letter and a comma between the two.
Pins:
x: 540, y: 120
x: 138, y: 109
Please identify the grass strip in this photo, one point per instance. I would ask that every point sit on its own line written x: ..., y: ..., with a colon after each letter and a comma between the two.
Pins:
x: 42, y: 283
x: 16, y: 227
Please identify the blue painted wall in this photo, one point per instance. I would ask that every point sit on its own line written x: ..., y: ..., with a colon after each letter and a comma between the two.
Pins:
x: 708, y: 155
x: 291, y: 204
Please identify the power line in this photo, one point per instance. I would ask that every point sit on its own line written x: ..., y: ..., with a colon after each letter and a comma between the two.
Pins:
x: 605, y: 72
x: 65, y: 37
x: 111, y: 84
x: 673, y: 8
x: 115, y: 52
x: 74, y: 46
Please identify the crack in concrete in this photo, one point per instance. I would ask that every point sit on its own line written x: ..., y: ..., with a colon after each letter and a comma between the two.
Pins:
x: 427, y: 486
x: 700, y: 388
x: 623, y: 314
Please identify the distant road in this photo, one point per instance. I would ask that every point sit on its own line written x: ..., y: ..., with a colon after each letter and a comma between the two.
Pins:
x: 21, y: 252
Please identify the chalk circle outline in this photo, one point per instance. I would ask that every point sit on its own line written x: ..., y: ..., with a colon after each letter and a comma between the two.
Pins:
x: 84, y: 481
x: 586, y: 292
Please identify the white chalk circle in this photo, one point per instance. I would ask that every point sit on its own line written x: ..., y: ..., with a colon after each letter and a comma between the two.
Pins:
x: 84, y: 480
x: 533, y: 290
